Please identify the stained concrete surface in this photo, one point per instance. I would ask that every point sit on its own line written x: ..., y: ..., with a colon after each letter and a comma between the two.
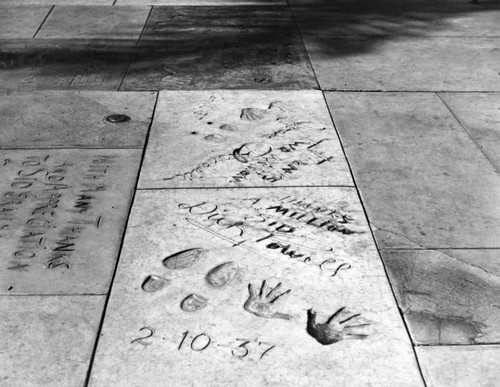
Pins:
x: 448, y: 296
x: 220, y: 47
x: 63, y: 64
x: 479, y: 113
x: 405, y: 63
x: 461, y: 366
x: 21, y: 22
x: 407, y: 149
x: 425, y: 166
x: 94, y: 22
x: 62, y: 119
x: 399, y: 18
x: 48, y: 341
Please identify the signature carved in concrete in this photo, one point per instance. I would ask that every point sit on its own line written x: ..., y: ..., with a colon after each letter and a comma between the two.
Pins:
x: 261, y: 304
x: 340, y: 326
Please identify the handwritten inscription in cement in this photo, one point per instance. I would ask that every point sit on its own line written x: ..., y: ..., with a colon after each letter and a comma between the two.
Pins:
x: 54, y: 207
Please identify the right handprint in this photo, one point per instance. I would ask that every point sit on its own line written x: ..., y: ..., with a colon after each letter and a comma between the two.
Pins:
x: 340, y: 326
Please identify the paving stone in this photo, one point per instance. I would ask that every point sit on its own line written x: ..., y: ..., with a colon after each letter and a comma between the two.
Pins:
x: 243, y: 138
x: 448, y: 296
x: 62, y: 216
x: 53, y: 64
x: 220, y: 47
x: 55, y: 2
x: 402, y: 18
x: 203, y: 2
x: 95, y: 22
x: 408, y: 150
x: 21, y: 22
x: 404, y: 63
x: 60, y: 119
x: 480, y: 115
x: 48, y: 341
x: 461, y: 366
x: 182, y: 311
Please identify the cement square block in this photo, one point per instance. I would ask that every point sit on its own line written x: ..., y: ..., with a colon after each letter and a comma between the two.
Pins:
x: 51, y: 64
x: 17, y: 22
x: 95, y: 22
x: 48, y: 341
x: 462, y: 366
x: 61, y: 119
x: 204, y: 281
x: 192, y: 48
x: 234, y: 3
x: 385, y: 63
x: 380, y: 19
x: 62, y: 215
x: 407, y: 149
x: 224, y: 138
x: 447, y: 296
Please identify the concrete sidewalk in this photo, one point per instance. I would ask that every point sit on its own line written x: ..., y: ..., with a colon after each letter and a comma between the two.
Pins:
x: 250, y: 193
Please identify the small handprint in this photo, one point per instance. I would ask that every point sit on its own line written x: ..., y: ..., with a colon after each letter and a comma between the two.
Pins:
x: 341, y: 325
x: 261, y: 304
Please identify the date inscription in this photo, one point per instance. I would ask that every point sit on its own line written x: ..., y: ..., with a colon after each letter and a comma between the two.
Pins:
x: 240, y: 348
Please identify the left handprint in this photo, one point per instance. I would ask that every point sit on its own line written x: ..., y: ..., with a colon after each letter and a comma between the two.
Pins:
x: 261, y: 304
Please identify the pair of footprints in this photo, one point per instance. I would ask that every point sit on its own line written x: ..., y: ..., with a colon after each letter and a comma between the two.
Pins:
x: 217, y: 277
x: 262, y: 303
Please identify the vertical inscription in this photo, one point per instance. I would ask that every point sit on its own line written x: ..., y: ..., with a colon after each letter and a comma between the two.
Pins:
x: 43, y: 213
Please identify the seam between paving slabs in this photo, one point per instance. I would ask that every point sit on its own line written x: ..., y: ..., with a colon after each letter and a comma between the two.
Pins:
x: 469, y: 134
x: 438, y: 248
x: 54, y: 295
x: 72, y: 148
x: 491, y: 344
x: 43, y: 22
x: 246, y: 187
x: 407, y: 91
x: 135, y: 50
x: 103, y: 316
x: 397, y: 36
x: 378, y: 250
x: 297, y: 27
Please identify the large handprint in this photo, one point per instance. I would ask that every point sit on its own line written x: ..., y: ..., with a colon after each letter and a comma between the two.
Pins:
x: 261, y: 304
x: 341, y: 325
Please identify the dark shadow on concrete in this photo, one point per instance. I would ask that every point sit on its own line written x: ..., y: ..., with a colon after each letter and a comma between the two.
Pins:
x: 236, y: 47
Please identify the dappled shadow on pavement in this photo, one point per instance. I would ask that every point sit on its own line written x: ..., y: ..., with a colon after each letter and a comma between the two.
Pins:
x: 236, y: 47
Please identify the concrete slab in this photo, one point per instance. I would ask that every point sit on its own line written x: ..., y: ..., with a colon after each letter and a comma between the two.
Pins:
x: 408, y: 150
x: 62, y: 215
x: 461, y: 366
x: 401, y: 18
x: 447, y: 296
x: 95, y: 22
x: 48, y: 341
x: 55, y: 119
x: 52, y: 64
x: 404, y: 64
x: 480, y: 115
x: 220, y: 47
x: 219, y: 310
x: 55, y: 2
x: 21, y: 22
x: 223, y: 138
x: 171, y: 3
